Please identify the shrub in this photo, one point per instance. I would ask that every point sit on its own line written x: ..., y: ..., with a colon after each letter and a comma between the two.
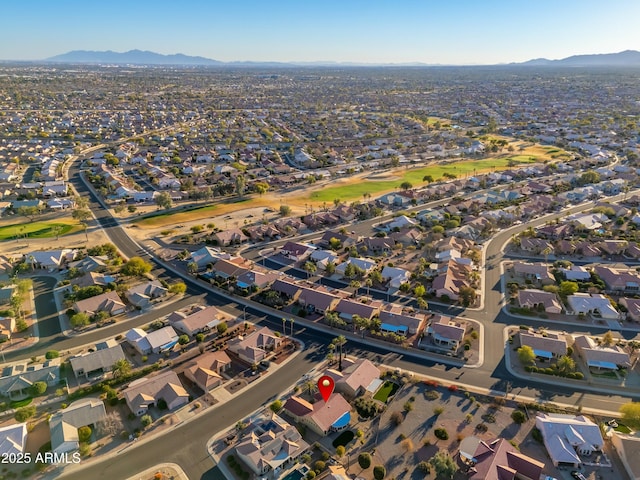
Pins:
x: 84, y: 433
x: 340, y: 451
x: 424, y: 467
x: 441, y: 433
x: 311, y: 475
x: 518, y: 417
x: 364, y: 460
x: 51, y: 354
x: 319, y: 466
x: 438, y: 410
x: 24, y: 413
x: 407, y: 407
x: 146, y: 420
x: 536, y: 434
x: 379, y: 472
x: 431, y: 395
x: 397, y: 418
x: 481, y: 427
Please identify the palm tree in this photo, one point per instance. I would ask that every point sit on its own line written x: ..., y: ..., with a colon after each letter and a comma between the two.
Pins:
x: 292, y: 322
x: 310, y: 385
x: 283, y: 322
x: 339, y: 341
x: 121, y: 368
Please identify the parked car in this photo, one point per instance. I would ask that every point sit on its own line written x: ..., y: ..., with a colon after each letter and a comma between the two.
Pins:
x: 577, y: 475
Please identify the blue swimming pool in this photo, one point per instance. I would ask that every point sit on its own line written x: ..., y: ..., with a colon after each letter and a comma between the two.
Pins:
x: 295, y: 475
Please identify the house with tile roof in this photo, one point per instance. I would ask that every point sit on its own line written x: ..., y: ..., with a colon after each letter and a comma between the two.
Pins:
x: 95, y: 363
x: 534, y: 299
x: 628, y: 447
x: 316, y: 300
x: 547, y: 346
x: 206, y: 370
x: 142, y: 294
x: 146, y: 392
x: 256, y: 346
x: 446, y: 331
x: 13, y: 439
x: 357, y: 377
x: 64, y: 424
x: 197, y: 320
x: 155, y: 341
x: 633, y: 308
x: 496, y: 460
x: 271, y: 448
x: 321, y: 417
x: 598, y: 356
x: 16, y: 379
x: 594, y: 304
x: 109, y: 302
x: 395, y: 319
x: 567, y: 438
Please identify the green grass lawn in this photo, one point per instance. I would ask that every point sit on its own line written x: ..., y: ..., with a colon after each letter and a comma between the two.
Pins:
x: 344, y: 438
x: 37, y: 230
x: 177, y: 216
x: 20, y: 403
x: 414, y: 176
x: 622, y: 429
x: 387, y: 390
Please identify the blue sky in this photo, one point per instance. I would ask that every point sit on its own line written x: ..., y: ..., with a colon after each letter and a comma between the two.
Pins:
x: 465, y: 32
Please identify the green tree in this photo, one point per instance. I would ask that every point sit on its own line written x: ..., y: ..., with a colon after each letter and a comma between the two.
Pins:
x: 340, y: 451
x: 607, y: 339
x: 467, y: 295
x: 183, y: 339
x: 79, y: 320
x: 285, y: 210
x: 526, y: 355
x: 419, y: 291
x: 37, y: 389
x: 379, y: 472
x: 518, y: 417
x: 25, y: 413
x: 406, y: 186
x: 443, y: 464
x: 121, y: 368
x: 178, y: 288
x: 631, y: 414
x: 222, y: 327
x: 364, y: 460
x: 200, y: 337
x: 568, y: 288
x: 163, y: 200
x: 276, y: 406
x: 566, y: 364
x: 427, y: 178
x: 240, y: 185
x: 51, y: 354
x: 261, y: 188
x: 84, y: 434
x: 136, y: 267
x: 81, y: 214
x: 146, y: 420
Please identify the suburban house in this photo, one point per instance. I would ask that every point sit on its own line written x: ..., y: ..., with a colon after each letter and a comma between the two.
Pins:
x: 628, y: 447
x: 206, y: 370
x: 156, y: 341
x: 108, y: 302
x: 318, y: 301
x: 321, y: 417
x: 255, y: 347
x: 594, y: 304
x: 446, y: 332
x: 576, y: 272
x: 7, y: 326
x: 536, y: 272
x: 13, y: 439
x: 346, y: 309
x: 90, y: 263
x: 207, y: 255
x: 395, y: 276
x: 537, y: 299
x: 296, y: 251
x: 393, y: 318
x: 287, y: 288
x: 64, y: 424
x: 633, y: 307
x: 497, y: 460
x: 356, y: 378
x: 141, y: 295
x: 197, y: 320
x: 234, y: 236
x: 363, y: 264
x: 148, y: 391
x: 16, y: 379
x: 601, y: 357
x: 96, y: 363
x: 546, y: 346
x: 271, y: 448
x: 567, y: 437
x: 618, y: 281
x: 256, y: 279
x: 50, y: 259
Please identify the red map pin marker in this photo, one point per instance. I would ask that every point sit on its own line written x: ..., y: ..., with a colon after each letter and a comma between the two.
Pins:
x: 325, y: 387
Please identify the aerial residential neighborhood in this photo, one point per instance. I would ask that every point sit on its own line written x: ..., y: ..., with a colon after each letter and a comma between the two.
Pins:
x: 276, y: 269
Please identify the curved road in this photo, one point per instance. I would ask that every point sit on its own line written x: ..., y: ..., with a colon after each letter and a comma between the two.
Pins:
x: 185, y: 444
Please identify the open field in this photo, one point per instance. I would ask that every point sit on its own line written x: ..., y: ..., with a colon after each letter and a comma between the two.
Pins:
x: 349, y: 189
x: 43, y: 229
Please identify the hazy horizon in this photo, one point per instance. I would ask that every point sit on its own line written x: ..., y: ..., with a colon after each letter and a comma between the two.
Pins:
x: 376, y: 32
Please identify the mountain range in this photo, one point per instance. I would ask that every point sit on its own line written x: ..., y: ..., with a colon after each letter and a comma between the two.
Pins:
x: 627, y: 58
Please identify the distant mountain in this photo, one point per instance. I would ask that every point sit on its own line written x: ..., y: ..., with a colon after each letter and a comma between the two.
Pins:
x: 132, y: 57
x: 628, y: 58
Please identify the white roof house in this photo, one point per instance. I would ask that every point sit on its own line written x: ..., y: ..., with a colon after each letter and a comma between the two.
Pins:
x: 593, y: 303
x: 64, y: 425
x: 155, y: 341
x: 567, y: 437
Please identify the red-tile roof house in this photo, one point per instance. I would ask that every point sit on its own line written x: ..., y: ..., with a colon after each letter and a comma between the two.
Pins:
x: 288, y: 288
x: 321, y: 417
x: 618, y: 281
x: 201, y: 320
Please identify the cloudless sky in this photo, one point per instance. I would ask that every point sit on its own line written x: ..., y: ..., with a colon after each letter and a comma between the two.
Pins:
x: 464, y: 32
